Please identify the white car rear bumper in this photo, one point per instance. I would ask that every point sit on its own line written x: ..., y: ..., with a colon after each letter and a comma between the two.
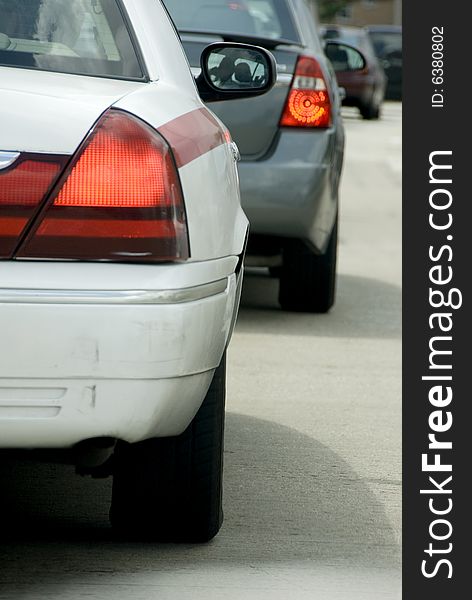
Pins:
x: 131, y: 363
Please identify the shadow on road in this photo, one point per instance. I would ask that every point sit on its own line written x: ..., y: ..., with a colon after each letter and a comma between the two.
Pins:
x: 287, y: 498
x: 364, y: 307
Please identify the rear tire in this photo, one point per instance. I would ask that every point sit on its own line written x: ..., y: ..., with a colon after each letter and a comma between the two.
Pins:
x: 275, y: 272
x: 308, y: 280
x: 370, y: 112
x: 170, y: 489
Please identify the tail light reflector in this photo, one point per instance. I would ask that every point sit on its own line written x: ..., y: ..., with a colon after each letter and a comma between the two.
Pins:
x: 23, y: 186
x: 308, y: 103
x: 119, y: 200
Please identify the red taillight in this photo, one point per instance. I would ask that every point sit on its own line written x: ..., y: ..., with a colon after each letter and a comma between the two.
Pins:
x: 119, y: 200
x: 308, y: 103
x: 23, y: 186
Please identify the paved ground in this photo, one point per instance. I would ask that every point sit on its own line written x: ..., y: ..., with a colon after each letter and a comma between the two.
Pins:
x: 313, y: 470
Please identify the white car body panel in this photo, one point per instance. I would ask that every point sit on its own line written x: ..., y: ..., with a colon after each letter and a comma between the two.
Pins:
x: 52, y: 112
x: 119, y: 341
x: 217, y: 211
x: 46, y: 414
x: 73, y: 365
x: 112, y: 276
x: 164, y: 57
x: 128, y: 371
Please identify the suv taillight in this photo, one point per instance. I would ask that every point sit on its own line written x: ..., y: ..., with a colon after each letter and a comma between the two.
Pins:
x: 120, y: 200
x: 308, y: 103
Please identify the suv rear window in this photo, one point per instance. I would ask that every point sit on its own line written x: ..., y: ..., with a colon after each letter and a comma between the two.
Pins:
x: 86, y: 37
x: 260, y: 18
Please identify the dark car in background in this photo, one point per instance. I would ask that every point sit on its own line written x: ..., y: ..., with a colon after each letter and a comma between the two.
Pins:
x: 365, y: 88
x: 291, y: 142
x: 387, y: 42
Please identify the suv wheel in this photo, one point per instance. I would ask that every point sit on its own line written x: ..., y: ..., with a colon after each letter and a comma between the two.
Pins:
x: 170, y: 489
x: 308, y: 280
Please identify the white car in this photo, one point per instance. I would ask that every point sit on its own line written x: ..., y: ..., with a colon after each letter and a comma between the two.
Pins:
x: 121, y: 245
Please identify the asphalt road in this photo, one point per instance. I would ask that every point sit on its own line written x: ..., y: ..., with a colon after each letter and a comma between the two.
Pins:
x: 313, y: 444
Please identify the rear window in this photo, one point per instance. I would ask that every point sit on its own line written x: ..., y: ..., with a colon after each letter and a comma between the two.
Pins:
x: 386, y: 42
x: 86, y: 37
x: 357, y: 38
x: 260, y: 18
x: 346, y: 35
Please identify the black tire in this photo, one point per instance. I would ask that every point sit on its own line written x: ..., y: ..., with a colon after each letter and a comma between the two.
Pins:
x: 308, y: 280
x: 370, y: 112
x: 275, y: 272
x: 170, y: 489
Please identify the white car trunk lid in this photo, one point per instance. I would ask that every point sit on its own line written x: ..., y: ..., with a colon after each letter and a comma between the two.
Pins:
x: 52, y: 112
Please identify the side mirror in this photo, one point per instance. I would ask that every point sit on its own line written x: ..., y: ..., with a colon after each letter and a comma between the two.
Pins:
x: 232, y: 70
x: 344, y: 58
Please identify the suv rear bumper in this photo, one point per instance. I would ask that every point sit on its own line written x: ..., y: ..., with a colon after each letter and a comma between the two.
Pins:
x: 294, y: 192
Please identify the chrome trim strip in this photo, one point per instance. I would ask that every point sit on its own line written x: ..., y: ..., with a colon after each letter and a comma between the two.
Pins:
x: 124, y: 297
x: 7, y: 159
x: 284, y: 78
